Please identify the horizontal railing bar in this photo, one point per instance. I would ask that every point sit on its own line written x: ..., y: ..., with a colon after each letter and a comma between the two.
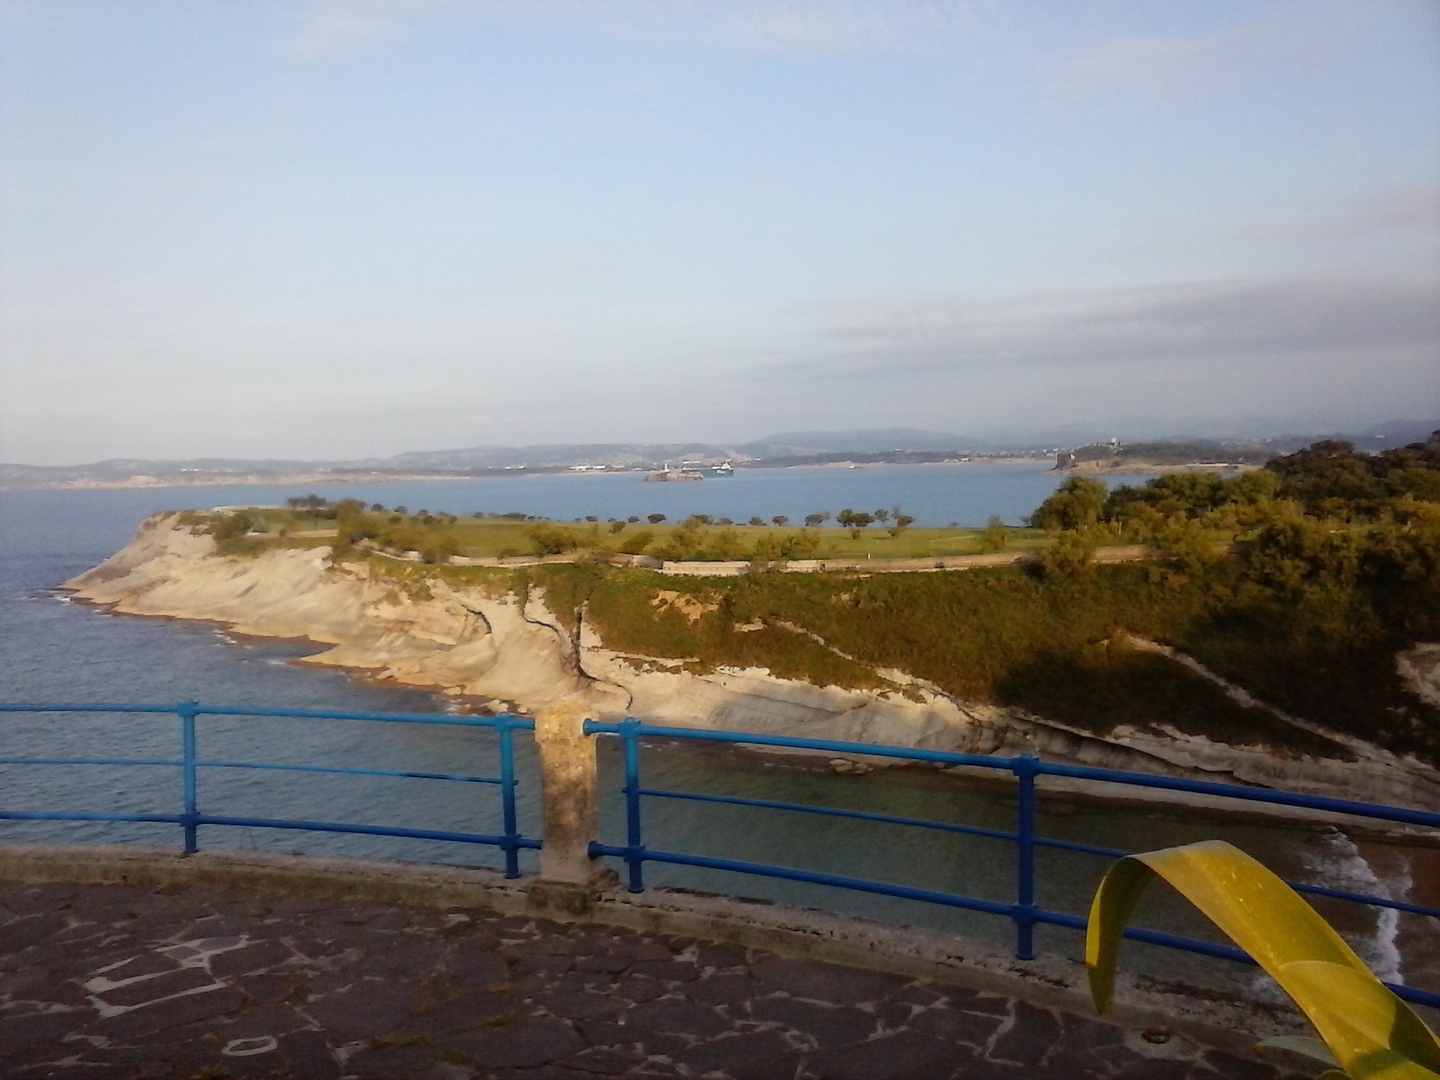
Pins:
x: 1417, y: 997
x: 1361, y: 898
x: 829, y: 811
x: 1314, y: 890
x: 706, y: 735
x: 1063, y: 845
x: 1035, y: 765
x: 342, y: 771
x: 46, y: 815
x: 252, y: 765
x: 88, y: 761
x: 507, y: 720
x: 366, y: 830
x: 95, y: 708
x: 1205, y: 787
x: 1150, y: 937
x: 515, y: 723
x: 1084, y: 849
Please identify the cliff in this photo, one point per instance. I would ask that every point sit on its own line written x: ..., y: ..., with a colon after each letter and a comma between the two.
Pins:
x: 478, y: 636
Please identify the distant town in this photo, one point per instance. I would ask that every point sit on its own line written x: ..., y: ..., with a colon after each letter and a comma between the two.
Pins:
x: 859, y: 448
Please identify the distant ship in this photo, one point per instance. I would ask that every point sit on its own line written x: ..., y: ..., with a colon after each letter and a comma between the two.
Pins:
x: 723, y: 469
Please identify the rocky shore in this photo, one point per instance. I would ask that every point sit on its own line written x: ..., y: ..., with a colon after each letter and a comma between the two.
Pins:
x: 464, y: 640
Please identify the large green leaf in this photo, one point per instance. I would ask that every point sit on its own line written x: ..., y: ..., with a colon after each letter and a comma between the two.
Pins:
x: 1372, y: 1033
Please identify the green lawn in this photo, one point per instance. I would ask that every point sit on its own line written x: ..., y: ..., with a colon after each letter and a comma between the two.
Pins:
x: 492, y: 537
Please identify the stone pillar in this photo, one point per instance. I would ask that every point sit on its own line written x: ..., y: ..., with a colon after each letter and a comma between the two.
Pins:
x: 568, y: 780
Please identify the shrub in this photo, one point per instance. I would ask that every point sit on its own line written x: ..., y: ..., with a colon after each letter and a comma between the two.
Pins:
x: 636, y: 544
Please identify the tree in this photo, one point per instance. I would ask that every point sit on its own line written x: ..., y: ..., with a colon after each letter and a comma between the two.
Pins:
x: 548, y: 539
x: 655, y: 519
x: 996, y: 536
x: 855, y: 522
x: 757, y: 520
x: 1070, y: 555
x: 348, y: 508
x: 814, y: 521
x: 1077, y: 504
x: 780, y: 521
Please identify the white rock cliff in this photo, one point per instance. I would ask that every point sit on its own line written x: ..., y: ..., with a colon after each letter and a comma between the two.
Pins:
x: 465, y: 641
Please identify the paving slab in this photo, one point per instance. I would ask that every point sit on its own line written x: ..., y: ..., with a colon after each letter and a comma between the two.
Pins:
x: 204, y: 983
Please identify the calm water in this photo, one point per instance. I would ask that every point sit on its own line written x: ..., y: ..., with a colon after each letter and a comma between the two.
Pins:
x: 51, y: 650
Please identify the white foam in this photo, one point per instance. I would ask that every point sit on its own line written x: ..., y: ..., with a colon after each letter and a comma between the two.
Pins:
x: 1342, y: 866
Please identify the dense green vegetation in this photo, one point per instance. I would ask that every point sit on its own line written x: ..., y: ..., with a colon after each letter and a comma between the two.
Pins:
x: 1337, y: 569
x: 1300, y: 582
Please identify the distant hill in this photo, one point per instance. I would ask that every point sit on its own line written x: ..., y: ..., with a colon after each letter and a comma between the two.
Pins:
x: 812, y: 442
x: 897, y: 445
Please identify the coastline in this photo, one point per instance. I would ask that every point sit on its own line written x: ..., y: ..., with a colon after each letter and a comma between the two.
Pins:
x: 146, y: 481
x: 471, y: 641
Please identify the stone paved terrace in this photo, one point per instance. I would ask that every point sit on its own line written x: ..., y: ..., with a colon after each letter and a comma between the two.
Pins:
x: 210, y: 980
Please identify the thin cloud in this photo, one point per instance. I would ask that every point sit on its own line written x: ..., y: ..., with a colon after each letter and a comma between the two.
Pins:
x: 825, y: 26
x: 328, y: 28
x: 344, y: 27
x: 1408, y: 209
x: 1182, y: 323
x: 1307, y: 35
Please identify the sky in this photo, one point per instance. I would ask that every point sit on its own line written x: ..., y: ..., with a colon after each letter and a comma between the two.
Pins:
x: 345, y: 228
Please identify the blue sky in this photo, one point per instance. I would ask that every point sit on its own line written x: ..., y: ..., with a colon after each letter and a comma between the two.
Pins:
x: 336, y: 228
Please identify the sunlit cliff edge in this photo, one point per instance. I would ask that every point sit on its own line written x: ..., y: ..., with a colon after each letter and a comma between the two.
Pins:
x: 482, y: 638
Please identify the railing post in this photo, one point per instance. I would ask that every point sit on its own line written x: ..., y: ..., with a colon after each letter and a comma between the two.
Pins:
x: 190, y: 813
x: 634, y: 840
x: 1024, y: 917
x: 505, y: 728
x: 568, y: 793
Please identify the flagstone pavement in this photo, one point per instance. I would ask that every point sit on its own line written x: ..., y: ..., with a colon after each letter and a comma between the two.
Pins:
x: 200, y: 983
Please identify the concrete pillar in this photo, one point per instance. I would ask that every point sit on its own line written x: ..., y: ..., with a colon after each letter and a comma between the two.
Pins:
x: 568, y: 779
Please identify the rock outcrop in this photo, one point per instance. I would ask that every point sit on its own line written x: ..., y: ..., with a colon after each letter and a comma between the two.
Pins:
x: 467, y: 640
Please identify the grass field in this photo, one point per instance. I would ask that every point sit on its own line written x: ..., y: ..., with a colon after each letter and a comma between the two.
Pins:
x: 493, y: 537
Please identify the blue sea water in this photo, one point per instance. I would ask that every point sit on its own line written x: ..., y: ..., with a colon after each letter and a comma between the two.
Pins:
x: 53, y: 650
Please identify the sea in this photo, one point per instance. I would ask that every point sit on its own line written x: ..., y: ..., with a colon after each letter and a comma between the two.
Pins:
x: 54, y: 650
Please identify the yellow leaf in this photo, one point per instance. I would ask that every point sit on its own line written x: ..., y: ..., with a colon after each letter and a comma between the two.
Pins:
x: 1372, y: 1033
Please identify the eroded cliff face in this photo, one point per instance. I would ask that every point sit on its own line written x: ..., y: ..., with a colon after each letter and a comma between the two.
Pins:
x: 467, y: 640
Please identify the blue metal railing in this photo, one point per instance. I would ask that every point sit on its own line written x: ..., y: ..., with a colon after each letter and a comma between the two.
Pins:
x: 191, y: 817
x: 1024, y: 912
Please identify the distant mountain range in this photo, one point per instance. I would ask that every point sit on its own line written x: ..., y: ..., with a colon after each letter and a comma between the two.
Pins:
x: 789, y: 448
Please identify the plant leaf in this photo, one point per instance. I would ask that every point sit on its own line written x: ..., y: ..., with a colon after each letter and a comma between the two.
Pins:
x: 1372, y: 1033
